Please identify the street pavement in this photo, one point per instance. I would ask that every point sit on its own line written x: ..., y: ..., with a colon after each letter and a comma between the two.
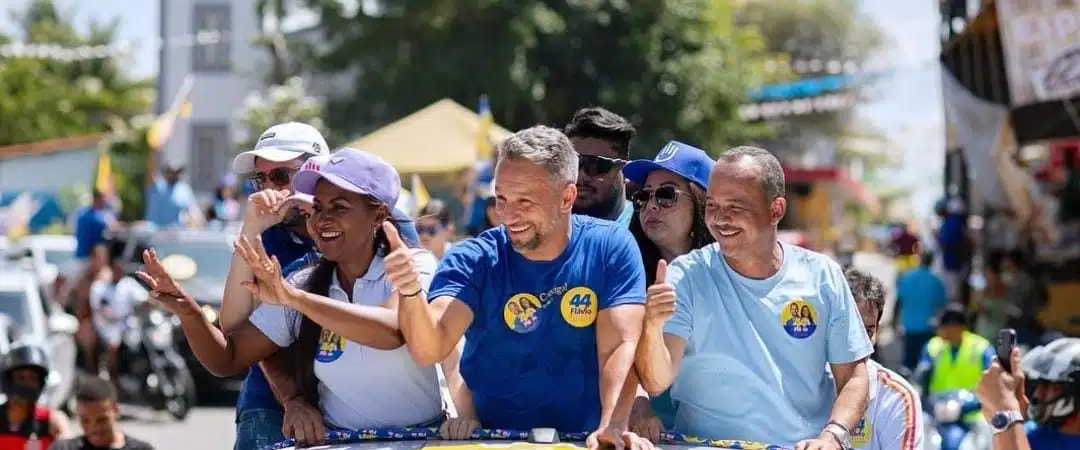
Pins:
x: 211, y: 427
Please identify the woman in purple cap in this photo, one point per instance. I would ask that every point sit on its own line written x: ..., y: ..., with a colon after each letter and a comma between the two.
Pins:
x: 670, y: 222
x: 340, y: 312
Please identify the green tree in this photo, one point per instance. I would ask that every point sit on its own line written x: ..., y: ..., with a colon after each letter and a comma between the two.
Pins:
x: 285, y: 103
x: 42, y: 98
x: 129, y: 149
x: 676, y: 68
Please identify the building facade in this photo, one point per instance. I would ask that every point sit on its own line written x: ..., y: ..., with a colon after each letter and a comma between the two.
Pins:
x: 225, y: 70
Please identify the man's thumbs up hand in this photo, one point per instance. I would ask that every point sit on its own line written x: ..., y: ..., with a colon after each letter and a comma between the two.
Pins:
x: 400, y: 270
x: 660, y: 298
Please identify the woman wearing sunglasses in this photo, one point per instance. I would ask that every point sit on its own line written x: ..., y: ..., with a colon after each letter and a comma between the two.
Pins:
x: 670, y: 222
x: 435, y: 225
x: 340, y: 313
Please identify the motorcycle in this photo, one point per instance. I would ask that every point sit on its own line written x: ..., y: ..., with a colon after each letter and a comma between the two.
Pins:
x: 946, y: 428
x: 151, y: 371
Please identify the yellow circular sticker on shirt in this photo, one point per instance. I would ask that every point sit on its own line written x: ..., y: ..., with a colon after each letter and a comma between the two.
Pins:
x: 799, y: 319
x: 579, y: 307
x: 522, y: 312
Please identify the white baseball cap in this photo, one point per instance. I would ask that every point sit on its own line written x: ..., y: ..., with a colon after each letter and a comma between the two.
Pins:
x: 283, y: 142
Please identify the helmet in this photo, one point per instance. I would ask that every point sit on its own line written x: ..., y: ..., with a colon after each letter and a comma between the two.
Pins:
x: 1057, y: 362
x: 24, y: 356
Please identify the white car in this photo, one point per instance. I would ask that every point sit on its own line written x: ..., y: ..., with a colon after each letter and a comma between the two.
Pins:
x: 36, y: 320
x: 49, y: 255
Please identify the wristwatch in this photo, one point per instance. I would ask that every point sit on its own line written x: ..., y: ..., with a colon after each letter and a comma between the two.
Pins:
x: 1002, y: 419
x: 840, y: 432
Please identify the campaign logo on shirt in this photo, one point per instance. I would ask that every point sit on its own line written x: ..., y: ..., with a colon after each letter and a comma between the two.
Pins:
x: 331, y: 347
x: 799, y: 319
x: 522, y: 312
x: 579, y: 307
x: 860, y: 435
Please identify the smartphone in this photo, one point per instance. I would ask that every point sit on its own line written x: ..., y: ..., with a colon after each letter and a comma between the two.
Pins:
x: 1006, y: 342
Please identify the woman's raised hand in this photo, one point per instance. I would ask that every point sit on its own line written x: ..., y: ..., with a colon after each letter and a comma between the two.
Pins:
x: 163, y: 288
x: 268, y: 286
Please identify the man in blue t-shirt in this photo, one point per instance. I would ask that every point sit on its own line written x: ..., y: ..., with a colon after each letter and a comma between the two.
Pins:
x: 745, y: 347
x: 91, y: 224
x: 550, y: 303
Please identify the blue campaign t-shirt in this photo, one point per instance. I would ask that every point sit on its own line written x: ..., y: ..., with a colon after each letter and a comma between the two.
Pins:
x: 756, y: 350
x: 90, y: 230
x: 922, y: 294
x: 530, y: 354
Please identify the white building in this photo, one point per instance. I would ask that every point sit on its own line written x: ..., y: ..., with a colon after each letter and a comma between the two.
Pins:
x: 224, y: 74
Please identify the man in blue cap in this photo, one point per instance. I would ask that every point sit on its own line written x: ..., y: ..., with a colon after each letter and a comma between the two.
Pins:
x: 274, y: 213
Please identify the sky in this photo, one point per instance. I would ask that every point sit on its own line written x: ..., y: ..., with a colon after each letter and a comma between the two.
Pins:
x: 906, y: 106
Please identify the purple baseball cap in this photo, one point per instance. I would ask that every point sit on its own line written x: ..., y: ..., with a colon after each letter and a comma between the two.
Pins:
x: 352, y: 170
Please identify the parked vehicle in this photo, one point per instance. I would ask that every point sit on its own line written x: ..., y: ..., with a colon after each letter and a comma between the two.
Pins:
x: 49, y: 255
x: 36, y: 319
x: 201, y: 260
x: 946, y: 428
x: 151, y: 371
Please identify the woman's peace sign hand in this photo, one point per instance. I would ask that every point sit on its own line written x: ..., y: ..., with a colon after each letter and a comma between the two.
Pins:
x: 268, y: 286
x: 163, y: 288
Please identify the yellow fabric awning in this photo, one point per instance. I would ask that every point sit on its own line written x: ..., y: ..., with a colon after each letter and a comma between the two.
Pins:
x: 439, y: 138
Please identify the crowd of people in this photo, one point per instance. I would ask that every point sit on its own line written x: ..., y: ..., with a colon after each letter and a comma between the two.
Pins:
x: 580, y: 307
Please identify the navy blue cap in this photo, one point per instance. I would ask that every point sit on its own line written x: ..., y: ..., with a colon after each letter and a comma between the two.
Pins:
x: 687, y: 161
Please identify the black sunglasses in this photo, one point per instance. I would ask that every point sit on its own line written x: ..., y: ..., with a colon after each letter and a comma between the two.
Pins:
x: 594, y: 165
x: 430, y: 230
x: 666, y: 197
x: 280, y: 176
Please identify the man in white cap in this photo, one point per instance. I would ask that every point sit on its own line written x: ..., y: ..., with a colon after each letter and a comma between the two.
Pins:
x: 272, y: 215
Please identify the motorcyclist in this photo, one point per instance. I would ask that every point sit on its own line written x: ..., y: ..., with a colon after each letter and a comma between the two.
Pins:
x: 112, y: 300
x: 24, y: 423
x: 1053, y: 384
x: 955, y: 358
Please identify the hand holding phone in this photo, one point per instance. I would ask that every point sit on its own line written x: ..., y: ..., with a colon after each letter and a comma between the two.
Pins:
x: 1006, y: 342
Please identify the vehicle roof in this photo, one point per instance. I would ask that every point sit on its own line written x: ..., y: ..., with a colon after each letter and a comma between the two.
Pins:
x: 11, y: 280
x: 51, y: 241
x: 193, y: 236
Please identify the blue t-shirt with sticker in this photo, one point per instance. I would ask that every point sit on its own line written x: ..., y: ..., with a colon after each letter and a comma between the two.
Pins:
x: 530, y: 354
x: 756, y: 350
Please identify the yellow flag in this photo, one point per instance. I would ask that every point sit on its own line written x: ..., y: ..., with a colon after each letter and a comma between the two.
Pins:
x: 419, y: 192
x: 162, y: 128
x: 103, y: 182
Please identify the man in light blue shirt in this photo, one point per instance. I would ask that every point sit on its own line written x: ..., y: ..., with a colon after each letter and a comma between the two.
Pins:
x: 920, y: 296
x: 745, y: 346
x: 169, y: 199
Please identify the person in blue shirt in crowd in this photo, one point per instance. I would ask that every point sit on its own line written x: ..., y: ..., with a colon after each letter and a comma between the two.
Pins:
x: 91, y: 223
x: 602, y: 141
x: 736, y: 370
x: 920, y: 296
x: 276, y: 215
x: 549, y: 303
x: 170, y: 201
